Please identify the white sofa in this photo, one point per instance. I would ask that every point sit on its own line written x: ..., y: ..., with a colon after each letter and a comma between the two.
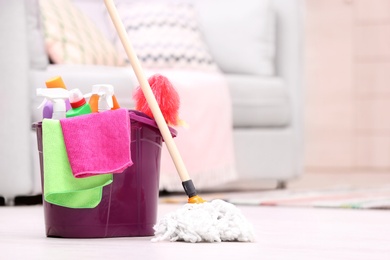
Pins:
x: 267, y: 109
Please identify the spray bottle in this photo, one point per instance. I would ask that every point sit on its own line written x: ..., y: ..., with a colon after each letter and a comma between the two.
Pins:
x: 57, y: 96
x: 55, y: 82
x: 103, y: 98
x: 78, y: 104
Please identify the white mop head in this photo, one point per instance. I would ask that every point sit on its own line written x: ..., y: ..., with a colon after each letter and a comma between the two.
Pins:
x: 213, y: 221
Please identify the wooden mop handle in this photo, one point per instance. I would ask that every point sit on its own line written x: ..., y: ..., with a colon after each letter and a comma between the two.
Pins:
x: 150, y: 98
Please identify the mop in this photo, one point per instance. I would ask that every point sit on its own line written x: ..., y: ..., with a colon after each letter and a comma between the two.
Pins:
x: 198, y: 220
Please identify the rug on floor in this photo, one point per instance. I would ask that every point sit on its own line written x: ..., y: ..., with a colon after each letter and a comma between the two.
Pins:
x: 338, y: 197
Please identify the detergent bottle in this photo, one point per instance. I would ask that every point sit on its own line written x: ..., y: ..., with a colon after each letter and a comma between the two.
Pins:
x: 103, y: 98
x: 57, y: 96
x: 78, y: 104
x: 55, y: 82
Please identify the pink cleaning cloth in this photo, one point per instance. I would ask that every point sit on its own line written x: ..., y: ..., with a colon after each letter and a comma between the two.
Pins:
x: 98, y: 143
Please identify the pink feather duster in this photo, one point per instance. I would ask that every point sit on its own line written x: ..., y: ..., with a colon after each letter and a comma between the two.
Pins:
x: 167, y: 98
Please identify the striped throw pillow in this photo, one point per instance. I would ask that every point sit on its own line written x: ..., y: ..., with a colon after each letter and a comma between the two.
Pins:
x: 165, y: 35
x: 72, y: 38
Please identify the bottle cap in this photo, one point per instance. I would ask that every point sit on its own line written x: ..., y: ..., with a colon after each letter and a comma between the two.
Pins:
x: 76, y: 98
x: 55, y: 82
x: 103, y: 89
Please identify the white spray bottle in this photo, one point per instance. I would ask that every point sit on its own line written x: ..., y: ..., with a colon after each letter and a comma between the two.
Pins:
x: 55, y: 82
x: 58, y: 97
x: 105, y: 92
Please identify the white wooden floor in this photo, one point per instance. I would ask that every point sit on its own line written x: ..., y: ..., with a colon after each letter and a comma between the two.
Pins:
x: 282, y: 233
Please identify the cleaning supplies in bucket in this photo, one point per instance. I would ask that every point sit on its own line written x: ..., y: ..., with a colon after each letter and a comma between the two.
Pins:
x: 93, y: 146
x: 55, y: 82
x: 128, y: 206
x: 103, y: 98
x: 58, y: 97
x: 78, y: 103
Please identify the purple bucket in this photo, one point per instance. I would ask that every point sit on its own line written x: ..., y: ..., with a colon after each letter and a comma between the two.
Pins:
x: 129, y: 204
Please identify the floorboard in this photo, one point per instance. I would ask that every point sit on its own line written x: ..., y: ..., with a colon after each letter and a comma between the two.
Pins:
x: 281, y: 233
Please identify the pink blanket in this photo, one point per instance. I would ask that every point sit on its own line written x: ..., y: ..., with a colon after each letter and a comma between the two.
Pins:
x: 98, y: 143
x: 207, y: 144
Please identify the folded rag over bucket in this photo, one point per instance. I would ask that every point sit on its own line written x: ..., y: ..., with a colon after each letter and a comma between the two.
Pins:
x: 98, y: 143
x: 60, y: 186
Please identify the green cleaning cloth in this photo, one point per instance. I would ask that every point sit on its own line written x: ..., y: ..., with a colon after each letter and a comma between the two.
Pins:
x: 60, y: 186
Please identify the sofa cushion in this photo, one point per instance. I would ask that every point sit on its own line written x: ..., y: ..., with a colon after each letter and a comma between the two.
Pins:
x: 259, y: 101
x: 96, y: 11
x: 241, y: 37
x: 165, y: 35
x: 72, y: 38
x: 37, y: 53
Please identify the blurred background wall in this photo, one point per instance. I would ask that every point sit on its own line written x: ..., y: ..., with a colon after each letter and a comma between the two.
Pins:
x: 347, y: 85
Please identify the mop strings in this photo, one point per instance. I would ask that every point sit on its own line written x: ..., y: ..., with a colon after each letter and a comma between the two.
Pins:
x: 214, y: 221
